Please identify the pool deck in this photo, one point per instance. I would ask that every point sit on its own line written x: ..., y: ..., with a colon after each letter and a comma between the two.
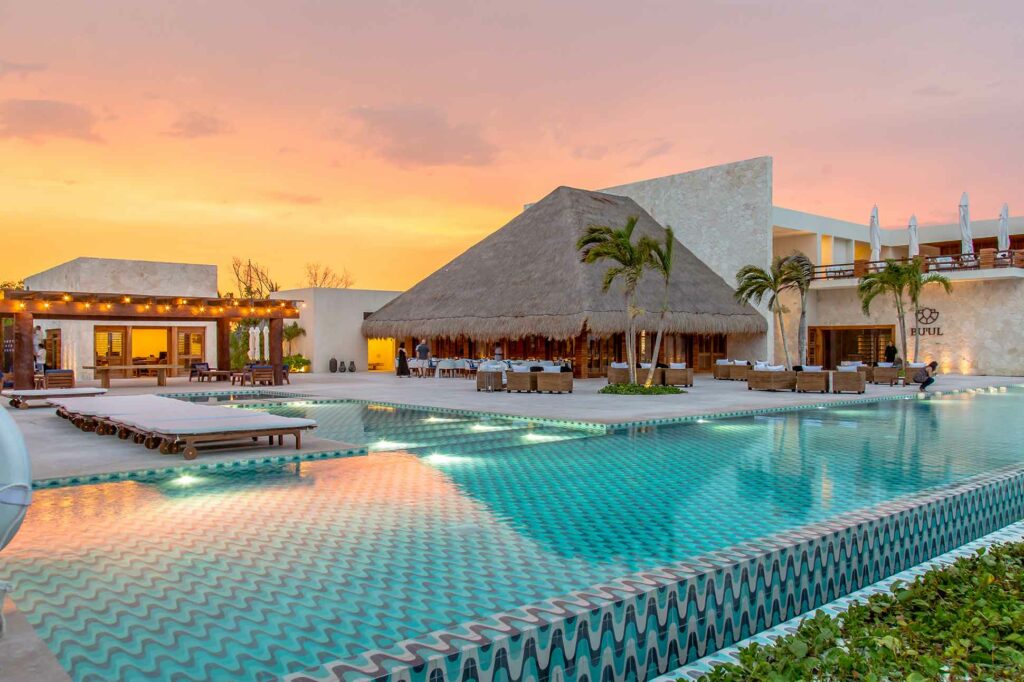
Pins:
x: 58, y: 450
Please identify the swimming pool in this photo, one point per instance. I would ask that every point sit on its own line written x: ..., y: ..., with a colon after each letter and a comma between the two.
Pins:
x: 287, y: 569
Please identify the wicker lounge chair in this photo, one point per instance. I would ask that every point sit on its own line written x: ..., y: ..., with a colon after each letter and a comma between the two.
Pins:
x: 739, y: 372
x: 489, y: 380
x: 815, y: 382
x: 763, y: 380
x: 720, y: 371
x: 849, y: 382
x: 521, y: 381
x: 553, y: 382
x: 659, y: 375
x: 885, y: 375
x: 679, y: 377
x: 618, y: 375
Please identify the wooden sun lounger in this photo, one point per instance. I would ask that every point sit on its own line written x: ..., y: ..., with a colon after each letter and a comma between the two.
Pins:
x: 21, y: 399
x: 176, y: 426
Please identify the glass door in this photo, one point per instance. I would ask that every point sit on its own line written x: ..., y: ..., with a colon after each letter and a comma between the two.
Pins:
x: 191, y: 347
x: 109, y: 348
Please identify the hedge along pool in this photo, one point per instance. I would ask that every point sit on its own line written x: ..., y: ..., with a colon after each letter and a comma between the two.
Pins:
x: 306, y: 569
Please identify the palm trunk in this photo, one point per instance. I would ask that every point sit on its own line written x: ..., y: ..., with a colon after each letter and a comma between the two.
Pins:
x: 657, y: 349
x: 902, y: 319
x: 630, y: 339
x: 782, y: 332
x: 917, y: 335
x: 802, y: 341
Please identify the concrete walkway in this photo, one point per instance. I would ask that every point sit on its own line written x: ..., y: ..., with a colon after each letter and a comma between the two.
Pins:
x: 58, y: 449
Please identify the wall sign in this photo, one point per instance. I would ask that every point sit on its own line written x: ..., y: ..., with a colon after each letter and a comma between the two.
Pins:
x: 926, y: 319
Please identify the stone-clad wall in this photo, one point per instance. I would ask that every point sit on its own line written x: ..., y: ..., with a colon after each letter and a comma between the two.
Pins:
x: 981, y: 323
x: 722, y: 214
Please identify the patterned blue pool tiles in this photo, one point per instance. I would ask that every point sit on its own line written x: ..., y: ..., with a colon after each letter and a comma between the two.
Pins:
x: 644, y: 625
x: 695, y: 670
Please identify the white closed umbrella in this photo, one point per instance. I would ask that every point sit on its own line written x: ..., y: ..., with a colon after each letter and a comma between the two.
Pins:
x: 254, y: 343
x: 966, y: 238
x: 915, y: 245
x: 1004, y: 229
x: 876, y: 236
x: 266, y: 343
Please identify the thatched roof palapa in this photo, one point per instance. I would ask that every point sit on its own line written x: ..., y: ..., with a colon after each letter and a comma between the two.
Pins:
x: 527, y: 279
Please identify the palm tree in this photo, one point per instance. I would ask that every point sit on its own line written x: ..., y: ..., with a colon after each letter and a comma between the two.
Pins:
x: 755, y: 284
x: 660, y: 260
x: 916, y: 281
x: 292, y: 332
x: 892, y: 280
x: 799, y: 272
x: 629, y: 260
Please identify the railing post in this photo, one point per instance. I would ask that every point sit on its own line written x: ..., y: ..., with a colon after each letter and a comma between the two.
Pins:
x: 860, y: 268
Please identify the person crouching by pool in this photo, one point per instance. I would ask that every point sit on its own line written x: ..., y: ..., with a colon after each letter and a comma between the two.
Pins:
x: 926, y: 375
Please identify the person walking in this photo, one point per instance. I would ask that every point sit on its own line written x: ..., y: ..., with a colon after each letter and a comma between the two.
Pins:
x: 926, y: 375
x: 402, y: 368
x: 423, y: 350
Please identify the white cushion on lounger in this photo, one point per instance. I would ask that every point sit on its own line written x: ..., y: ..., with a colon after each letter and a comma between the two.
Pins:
x: 521, y: 369
x: 848, y: 368
x: 677, y: 365
x: 619, y: 365
x: 916, y: 365
x: 772, y: 368
x: 812, y: 368
x: 645, y: 365
x: 552, y: 369
x: 739, y: 362
x: 723, y: 362
x: 885, y: 364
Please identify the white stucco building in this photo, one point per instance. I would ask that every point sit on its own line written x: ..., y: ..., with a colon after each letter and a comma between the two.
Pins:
x: 726, y: 216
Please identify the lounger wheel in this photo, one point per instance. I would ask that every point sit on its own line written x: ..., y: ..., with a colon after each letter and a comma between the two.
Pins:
x: 190, y: 452
x: 139, y: 438
x: 123, y: 433
x: 151, y: 443
x: 169, y: 447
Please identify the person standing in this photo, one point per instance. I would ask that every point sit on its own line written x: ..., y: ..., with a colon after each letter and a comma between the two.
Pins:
x: 926, y: 375
x: 890, y: 353
x: 423, y: 351
x: 402, y: 368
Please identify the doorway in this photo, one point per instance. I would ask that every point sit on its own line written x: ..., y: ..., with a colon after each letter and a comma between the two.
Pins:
x: 109, y: 344
x: 380, y: 355
x: 831, y: 346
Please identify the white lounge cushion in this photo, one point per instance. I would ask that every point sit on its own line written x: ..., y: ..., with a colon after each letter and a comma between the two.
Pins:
x: 723, y: 362
x: 645, y: 365
x: 552, y: 369
x: 850, y: 363
x: 916, y: 365
x: 848, y: 368
x: 739, y: 362
x: 619, y: 365
x: 761, y: 363
x: 885, y: 364
x: 773, y: 368
x: 677, y: 365
x: 54, y: 392
x: 521, y: 369
x: 812, y: 368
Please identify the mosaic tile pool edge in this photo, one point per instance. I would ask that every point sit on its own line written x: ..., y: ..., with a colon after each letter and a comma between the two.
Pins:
x: 1012, y: 533
x: 656, y: 621
x: 143, y: 474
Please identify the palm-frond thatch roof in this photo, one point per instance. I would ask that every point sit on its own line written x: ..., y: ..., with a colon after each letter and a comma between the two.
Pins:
x: 527, y: 279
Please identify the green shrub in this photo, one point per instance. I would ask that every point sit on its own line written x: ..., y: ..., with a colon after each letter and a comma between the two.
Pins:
x: 296, y: 363
x: 961, y: 622
x: 640, y: 389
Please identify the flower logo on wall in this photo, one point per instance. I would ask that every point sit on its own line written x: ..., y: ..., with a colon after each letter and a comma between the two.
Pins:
x: 927, y: 316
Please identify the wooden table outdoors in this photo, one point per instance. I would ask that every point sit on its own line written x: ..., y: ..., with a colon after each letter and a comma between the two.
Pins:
x: 104, y: 372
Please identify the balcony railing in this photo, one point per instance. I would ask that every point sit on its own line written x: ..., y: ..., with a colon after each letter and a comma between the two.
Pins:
x: 984, y: 259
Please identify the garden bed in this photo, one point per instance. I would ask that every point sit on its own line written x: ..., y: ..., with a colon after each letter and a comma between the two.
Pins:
x: 964, y: 621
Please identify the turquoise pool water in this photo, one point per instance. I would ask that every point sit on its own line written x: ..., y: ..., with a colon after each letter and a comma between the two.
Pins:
x: 252, y: 574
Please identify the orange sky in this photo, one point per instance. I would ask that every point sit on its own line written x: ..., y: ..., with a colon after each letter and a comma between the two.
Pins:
x: 385, y: 137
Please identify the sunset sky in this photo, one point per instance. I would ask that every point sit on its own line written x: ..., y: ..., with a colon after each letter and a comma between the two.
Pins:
x: 385, y: 137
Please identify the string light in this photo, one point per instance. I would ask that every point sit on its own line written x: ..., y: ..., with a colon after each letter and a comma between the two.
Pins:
x: 127, y: 299
x: 67, y: 297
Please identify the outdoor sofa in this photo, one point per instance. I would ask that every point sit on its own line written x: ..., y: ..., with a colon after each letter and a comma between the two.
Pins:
x: 849, y: 381
x: 812, y: 380
x: 553, y: 382
x: 521, y: 381
x: 678, y: 374
x: 885, y: 375
x: 771, y: 380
